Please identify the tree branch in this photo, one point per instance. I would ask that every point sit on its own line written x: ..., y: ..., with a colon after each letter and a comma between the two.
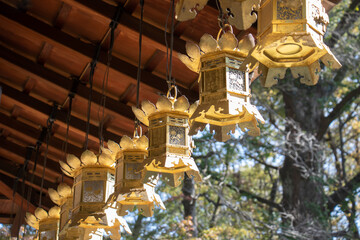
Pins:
x: 261, y: 162
x: 339, y: 195
x: 253, y: 196
x: 337, y: 110
x: 347, y: 21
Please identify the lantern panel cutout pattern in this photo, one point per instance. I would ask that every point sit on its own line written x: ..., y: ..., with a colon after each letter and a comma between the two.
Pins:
x: 224, y: 88
x: 187, y: 9
x: 130, y: 189
x: 47, y: 223
x: 63, y: 197
x: 170, y: 144
x: 239, y: 13
x: 94, y: 178
x: 290, y: 35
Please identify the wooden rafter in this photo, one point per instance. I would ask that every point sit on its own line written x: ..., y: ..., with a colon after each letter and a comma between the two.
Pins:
x: 88, y: 50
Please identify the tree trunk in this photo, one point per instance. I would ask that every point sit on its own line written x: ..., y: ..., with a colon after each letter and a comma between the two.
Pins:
x: 189, y: 203
x: 301, y: 174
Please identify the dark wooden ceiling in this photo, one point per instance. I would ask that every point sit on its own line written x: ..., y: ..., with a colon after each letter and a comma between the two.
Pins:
x: 46, y: 47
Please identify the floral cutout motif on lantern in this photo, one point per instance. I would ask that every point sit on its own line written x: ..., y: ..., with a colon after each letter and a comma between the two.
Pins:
x: 47, y: 223
x: 239, y: 13
x: 290, y: 35
x: 94, y: 178
x: 224, y: 88
x: 130, y: 189
x: 170, y: 145
x: 187, y: 9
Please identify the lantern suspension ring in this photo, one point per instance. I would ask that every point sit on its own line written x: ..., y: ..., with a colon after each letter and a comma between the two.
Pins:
x: 224, y: 100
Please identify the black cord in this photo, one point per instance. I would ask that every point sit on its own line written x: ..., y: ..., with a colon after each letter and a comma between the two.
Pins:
x: 222, y: 20
x: 37, y: 153
x: 49, y: 125
x: 29, y: 150
x: 91, y: 78
x: 142, y: 3
x: 169, y: 79
x: 140, y: 50
x: 113, y: 25
x: 172, y: 40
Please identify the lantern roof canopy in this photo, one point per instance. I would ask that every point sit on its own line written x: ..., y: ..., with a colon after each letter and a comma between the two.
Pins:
x: 87, y: 159
x: 60, y: 195
x: 208, y: 45
x: 41, y: 215
x: 164, y: 104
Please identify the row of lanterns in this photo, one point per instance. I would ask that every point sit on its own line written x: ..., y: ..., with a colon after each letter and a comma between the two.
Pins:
x: 124, y: 176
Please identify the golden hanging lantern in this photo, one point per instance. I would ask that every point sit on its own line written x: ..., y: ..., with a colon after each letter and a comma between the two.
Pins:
x: 130, y: 190
x: 290, y: 35
x: 94, y: 178
x: 170, y: 145
x: 63, y: 197
x: 47, y: 223
x: 239, y: 13
x: 224, y: 88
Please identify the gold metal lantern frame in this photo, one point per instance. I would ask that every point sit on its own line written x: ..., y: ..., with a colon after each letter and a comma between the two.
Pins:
x: 239, y: 13
x: 130, y: 189
x: 63, y: 197
x: 224, y: 88
x: 290, y: 35
x: 47, y: 223
x: 170, y: 145
x: 94, y: 178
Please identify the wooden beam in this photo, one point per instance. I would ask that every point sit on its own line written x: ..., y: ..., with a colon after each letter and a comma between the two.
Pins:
x: 6, y: 219
x: 6, y: 187
x: 62, y: 15
x: 128, y: 21
x: 154, y: 60
x: 8, y: 192
x: 46, y: 109
x: 52, y: 167
x: 44, y: 53
x: 9, y: 168
x: 88, y: 50
x: 35, y: 133
x: 19, y: 219
x: 63, y: 82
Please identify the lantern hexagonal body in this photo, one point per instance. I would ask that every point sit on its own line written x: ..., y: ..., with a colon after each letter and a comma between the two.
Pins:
x: 130, y: 191
x: 170, y: 145
x: 290, y: 35
x: 224, y: 88
x: 47, y: 223
x: 94, y: 178
x: 129, y: 168
x: 92, y: 187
